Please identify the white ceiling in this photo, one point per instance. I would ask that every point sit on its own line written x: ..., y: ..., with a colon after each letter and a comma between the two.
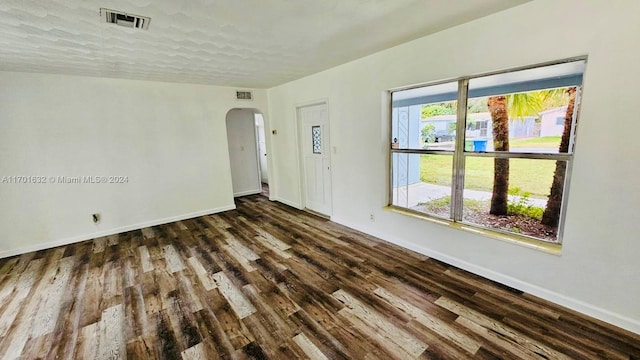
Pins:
x: 244, y: 43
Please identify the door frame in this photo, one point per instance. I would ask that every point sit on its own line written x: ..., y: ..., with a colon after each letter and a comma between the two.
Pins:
x: 300, y: 155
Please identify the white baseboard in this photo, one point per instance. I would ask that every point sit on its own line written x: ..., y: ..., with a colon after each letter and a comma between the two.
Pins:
x: 248, y: 192
x: 566, y: 301
x: 71, y: 240
x: 288, y: 202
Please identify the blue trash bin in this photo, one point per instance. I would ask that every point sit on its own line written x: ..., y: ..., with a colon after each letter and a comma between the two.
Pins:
x: 479, y: 145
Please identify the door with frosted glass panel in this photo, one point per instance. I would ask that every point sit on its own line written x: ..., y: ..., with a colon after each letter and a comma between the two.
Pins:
x: 314, y: 133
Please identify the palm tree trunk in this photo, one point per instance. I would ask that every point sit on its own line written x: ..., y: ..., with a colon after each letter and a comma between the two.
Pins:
x: 551, y: 215
x: 500, y: 125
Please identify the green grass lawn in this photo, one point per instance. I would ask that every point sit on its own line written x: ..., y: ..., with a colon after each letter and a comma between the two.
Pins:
x: 552, y: 142
x: 534, y: 176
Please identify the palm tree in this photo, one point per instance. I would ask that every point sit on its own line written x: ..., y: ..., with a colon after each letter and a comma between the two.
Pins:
x: 501, y: 108
x: 551, y: 215
x: 500, y: 125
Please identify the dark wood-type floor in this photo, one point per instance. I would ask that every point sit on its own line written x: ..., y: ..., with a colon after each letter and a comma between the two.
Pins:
x: 268, y: 281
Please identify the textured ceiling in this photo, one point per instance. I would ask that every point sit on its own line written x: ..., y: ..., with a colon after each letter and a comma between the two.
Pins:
x: 244, y: 43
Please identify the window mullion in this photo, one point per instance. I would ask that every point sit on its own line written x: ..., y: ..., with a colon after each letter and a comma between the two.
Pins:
x: 574, y: 119
x: 458, y: 160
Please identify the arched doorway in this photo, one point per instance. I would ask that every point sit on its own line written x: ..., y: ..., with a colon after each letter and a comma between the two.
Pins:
x: 247, y: 151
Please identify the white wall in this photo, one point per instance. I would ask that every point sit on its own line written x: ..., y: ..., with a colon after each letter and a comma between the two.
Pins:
x: 169, y: 139
x: 597, y: 272
x: 243, y: 152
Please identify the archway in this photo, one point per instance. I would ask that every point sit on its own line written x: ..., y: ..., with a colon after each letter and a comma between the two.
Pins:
x: 246, y: 148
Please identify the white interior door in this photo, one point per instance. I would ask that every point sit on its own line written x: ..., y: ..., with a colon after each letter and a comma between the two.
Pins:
x: 314, y: 132
x: 262, y: 149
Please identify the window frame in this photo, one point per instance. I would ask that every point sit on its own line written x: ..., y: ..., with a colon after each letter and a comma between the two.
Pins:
x: 459, y: 158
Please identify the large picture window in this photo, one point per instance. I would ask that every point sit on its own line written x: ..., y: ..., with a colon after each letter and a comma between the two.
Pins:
x: 489, y: 151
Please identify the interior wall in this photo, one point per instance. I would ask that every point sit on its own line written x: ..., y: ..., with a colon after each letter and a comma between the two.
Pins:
x: 243, y: 152
x: 597, y: 272
x: 169, y: 140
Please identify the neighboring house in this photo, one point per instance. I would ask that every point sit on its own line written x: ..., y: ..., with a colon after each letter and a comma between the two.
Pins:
x: 405, y: 128
x: 479, y: 125
x: 440, y: 122
x: 552, y: 121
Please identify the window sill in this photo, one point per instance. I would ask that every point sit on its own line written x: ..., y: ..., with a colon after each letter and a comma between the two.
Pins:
x: 554, y: 249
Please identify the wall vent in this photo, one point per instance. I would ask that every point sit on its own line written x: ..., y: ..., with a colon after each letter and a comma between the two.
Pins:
x: 244, y: 95
x: 124, y: 19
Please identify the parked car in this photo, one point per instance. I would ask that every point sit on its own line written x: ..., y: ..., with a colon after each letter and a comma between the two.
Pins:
x: 443, y: 136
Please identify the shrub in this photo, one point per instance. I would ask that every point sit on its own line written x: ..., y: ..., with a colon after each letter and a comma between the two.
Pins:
x: 519, y: 205
x: 428, y: 133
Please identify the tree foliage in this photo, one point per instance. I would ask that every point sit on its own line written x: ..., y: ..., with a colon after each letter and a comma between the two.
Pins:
x: 438, y: 109
x: 525, y: 104
x: 428, y: 133
x: 477, y: 105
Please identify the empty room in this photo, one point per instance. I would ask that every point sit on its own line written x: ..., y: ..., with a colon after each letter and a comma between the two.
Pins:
x: 359, y: 179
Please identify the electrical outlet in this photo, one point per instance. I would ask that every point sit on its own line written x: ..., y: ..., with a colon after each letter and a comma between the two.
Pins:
x: 96, y: 218
x: 372, y: 217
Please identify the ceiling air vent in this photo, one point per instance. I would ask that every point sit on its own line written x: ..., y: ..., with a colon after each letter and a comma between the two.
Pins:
x: 124, y: 19
x: 244, y: 95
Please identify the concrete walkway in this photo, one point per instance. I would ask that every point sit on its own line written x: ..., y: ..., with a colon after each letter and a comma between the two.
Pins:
x: 423, y: 192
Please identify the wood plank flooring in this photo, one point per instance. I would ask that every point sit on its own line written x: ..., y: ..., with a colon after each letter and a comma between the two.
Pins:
x: 267, y: 281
